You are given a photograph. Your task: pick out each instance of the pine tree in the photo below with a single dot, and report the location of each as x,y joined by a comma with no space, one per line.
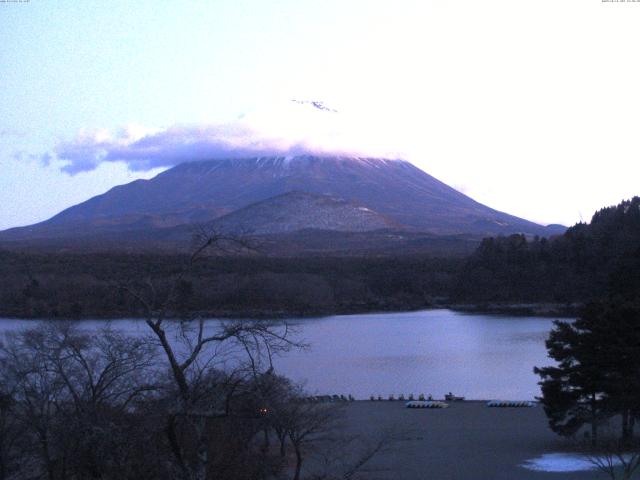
598,370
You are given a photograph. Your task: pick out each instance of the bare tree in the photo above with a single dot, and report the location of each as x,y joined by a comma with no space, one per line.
614,457
10,432
72,394
192,348
39,395
306,425
350,457
316,432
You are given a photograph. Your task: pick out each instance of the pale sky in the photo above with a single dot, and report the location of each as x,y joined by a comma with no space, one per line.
530,107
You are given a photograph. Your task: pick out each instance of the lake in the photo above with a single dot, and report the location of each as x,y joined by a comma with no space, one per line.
430,352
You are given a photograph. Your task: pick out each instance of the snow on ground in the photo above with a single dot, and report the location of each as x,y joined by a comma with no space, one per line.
559,462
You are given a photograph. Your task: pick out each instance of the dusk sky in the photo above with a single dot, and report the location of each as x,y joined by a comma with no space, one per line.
530,107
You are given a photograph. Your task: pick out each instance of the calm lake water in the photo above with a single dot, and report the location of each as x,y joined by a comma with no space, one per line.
430,352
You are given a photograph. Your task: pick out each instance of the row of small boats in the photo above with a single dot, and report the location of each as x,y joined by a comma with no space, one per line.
492,403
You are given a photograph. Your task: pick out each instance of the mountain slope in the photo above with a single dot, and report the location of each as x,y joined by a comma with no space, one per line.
296,211
198,192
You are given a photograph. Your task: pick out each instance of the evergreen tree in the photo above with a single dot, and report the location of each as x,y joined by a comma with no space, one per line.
572,393
598,370
615,329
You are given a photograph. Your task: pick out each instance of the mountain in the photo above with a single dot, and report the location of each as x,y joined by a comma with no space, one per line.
295,211
331,193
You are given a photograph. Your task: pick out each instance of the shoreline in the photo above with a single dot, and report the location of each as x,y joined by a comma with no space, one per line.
542,309
511,309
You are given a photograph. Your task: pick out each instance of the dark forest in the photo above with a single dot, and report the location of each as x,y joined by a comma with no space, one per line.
589,262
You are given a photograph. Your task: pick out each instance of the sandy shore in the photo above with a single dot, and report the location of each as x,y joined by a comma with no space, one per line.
467,441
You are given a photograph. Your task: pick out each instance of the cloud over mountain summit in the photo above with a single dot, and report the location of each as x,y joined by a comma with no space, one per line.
293,128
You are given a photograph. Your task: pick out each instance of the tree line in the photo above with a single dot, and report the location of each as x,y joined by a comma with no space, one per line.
589,262
84,285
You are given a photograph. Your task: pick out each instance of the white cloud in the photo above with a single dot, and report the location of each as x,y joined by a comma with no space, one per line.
284,128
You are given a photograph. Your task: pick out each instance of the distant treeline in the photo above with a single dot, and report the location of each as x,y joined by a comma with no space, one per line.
589,262
72,285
